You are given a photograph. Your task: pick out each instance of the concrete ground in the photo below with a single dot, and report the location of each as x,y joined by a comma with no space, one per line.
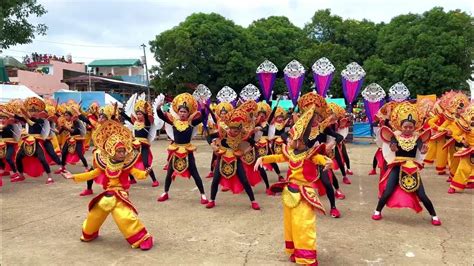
41,224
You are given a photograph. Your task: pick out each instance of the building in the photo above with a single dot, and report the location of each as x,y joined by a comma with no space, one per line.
45,76
128,70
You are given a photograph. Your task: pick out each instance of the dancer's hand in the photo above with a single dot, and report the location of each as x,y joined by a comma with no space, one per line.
424,149
67,175
327,165
393,147
258,164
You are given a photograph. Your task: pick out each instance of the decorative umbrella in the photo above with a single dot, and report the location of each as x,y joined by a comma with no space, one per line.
294,76
352,80
266,74
203,93
227,94
374,98
250,92
323,72
398,92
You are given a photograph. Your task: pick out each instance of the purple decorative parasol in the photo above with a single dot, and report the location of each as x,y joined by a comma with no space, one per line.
374,98
294,77
323,72
352,80
266,74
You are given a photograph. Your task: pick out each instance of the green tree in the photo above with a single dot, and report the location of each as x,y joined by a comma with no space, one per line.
323,26
278,40
339,56
207,49
430,53
14,27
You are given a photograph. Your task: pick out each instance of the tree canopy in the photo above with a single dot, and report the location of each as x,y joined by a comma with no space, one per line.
429,52
14,25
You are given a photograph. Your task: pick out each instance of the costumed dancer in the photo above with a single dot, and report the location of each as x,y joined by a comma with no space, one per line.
145,126
299,193
401,185
340,126
464,176
93,116
319,134
51,143
277,128
10,132
454,108
383,120
31,157
436,152
181,130
73,149
113,160
230,147
105,113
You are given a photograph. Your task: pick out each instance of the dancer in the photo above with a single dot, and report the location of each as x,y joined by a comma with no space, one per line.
105,113
229,147
299,197
73,149
31,157
181,161
10,132
401,185
340,126
145,131
464,175
114,160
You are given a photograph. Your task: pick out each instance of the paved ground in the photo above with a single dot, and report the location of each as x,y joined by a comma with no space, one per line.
41,224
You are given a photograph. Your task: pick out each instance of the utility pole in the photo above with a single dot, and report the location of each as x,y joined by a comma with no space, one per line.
146,72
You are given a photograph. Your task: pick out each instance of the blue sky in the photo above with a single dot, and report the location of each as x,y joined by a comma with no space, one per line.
91,29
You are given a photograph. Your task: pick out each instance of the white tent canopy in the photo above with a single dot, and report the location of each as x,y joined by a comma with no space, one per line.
11,92
109,99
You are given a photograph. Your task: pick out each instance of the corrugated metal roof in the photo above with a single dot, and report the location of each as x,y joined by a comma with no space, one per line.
115,62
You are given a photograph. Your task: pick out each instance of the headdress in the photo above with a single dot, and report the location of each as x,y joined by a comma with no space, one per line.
425,105
406,111
313,100
242,115
34,104
94,108
143,106
110,136
298,129
263,107
185,100
337,110
223,106
458,101
280,112
108,111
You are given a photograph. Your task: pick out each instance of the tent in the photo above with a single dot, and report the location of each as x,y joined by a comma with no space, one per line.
285,104
109,99
339,101
11,92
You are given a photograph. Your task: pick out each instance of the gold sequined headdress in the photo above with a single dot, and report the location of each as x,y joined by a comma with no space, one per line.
406,111
298,129
184,100
110,135
280,112
108,111
263,107
34,104
223,106
143,106
316,101
337,110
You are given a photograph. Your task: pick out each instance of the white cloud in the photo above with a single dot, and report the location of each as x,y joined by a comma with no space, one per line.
131,23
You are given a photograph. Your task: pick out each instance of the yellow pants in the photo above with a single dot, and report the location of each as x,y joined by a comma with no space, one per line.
300,232
453,161
125,218
464,174
438,154
55,142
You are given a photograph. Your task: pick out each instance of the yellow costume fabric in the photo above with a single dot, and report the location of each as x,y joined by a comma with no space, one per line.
113,201
436,153
299,216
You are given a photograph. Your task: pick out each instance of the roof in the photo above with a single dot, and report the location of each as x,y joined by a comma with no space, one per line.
115,63
10,92
85,78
